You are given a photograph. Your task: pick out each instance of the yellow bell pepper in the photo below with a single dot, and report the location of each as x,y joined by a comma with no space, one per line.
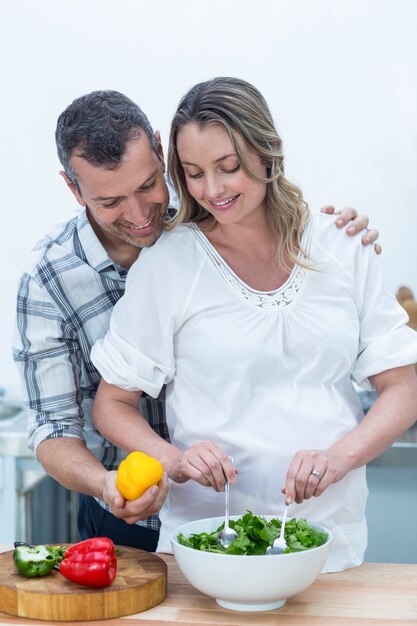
137,473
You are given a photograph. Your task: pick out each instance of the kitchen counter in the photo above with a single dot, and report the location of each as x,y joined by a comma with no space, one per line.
379,594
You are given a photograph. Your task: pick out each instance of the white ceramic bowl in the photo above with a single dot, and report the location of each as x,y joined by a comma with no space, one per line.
245,582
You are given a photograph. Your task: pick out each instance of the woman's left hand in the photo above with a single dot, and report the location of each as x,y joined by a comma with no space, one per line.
311,472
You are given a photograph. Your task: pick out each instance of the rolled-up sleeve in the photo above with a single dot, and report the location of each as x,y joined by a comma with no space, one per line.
137,353
122,364
385,340
47,357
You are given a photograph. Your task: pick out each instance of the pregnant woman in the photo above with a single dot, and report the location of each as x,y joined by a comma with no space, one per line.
262,319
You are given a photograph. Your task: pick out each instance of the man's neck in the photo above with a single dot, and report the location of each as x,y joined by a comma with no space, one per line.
121,252
123,257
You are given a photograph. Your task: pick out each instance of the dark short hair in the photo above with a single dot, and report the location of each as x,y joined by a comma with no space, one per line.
100,124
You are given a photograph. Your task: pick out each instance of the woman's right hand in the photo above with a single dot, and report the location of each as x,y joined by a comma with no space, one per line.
205,463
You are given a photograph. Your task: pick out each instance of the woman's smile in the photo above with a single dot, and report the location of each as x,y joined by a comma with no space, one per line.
221,205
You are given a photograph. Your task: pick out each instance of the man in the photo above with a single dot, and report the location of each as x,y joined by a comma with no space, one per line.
113,164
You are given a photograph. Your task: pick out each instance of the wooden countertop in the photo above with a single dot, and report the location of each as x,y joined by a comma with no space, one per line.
375,594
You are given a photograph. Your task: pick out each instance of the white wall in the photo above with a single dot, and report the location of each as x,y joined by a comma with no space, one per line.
340,78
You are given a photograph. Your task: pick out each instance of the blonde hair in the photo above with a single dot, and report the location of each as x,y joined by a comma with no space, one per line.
243,112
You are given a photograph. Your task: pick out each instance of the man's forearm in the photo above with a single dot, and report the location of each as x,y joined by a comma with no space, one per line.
70,462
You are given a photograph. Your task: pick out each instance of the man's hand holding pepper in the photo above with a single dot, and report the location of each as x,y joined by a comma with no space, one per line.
133,510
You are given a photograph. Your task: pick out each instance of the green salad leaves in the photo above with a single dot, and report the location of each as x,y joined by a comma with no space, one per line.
255,534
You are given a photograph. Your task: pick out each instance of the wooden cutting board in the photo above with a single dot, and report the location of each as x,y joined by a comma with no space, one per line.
140,584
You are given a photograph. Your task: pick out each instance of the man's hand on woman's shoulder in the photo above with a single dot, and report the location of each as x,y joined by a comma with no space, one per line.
355,224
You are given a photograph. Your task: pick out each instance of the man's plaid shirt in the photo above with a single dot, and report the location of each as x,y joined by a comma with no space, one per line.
65,299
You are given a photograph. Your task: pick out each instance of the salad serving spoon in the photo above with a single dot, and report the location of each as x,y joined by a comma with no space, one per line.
227,535
279,544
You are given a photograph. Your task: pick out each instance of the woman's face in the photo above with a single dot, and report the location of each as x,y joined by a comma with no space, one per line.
213,174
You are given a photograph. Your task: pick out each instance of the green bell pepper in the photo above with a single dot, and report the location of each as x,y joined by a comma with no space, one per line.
58,552
35,561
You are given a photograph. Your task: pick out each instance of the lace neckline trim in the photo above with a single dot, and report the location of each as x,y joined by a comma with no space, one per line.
276,299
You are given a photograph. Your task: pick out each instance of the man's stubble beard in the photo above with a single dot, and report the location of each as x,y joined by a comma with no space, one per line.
140,241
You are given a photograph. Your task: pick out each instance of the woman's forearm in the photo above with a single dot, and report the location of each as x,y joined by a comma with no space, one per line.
311,472
394,411
116,416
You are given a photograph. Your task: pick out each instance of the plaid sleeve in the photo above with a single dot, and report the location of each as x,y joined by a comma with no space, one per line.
46,353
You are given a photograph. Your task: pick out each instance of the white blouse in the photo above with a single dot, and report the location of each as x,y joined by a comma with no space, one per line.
261,374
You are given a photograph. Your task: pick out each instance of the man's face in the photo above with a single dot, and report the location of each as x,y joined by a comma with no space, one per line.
127,203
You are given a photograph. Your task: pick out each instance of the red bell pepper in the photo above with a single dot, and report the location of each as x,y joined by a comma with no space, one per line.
92,562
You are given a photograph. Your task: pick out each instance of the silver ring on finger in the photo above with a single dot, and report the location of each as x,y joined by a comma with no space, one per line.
316,473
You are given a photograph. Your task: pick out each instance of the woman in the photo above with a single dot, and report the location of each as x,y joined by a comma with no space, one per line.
263,319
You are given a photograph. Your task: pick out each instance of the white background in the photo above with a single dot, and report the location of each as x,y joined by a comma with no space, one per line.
340,78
